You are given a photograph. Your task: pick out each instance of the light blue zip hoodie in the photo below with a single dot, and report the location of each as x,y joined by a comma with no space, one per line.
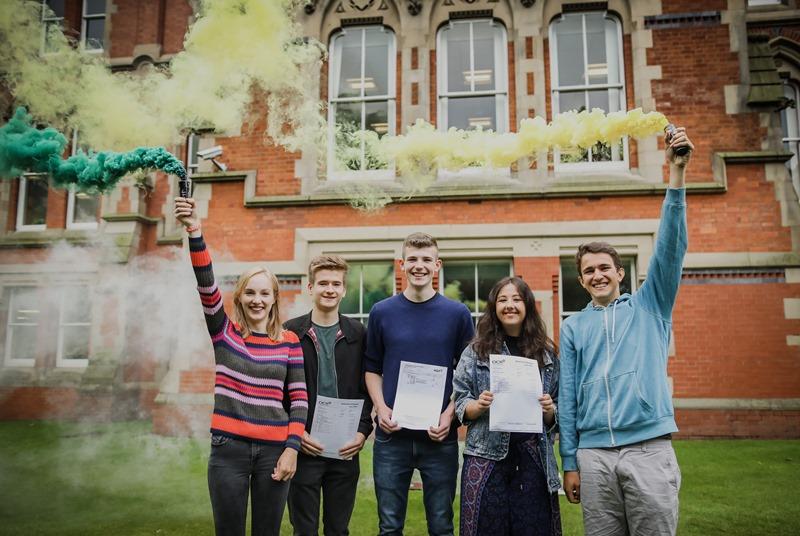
613,376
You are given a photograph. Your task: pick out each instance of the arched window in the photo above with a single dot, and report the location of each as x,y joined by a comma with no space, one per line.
586,72
790,123
361,96
472,77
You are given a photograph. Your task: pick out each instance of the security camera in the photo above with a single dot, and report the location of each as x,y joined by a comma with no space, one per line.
210,153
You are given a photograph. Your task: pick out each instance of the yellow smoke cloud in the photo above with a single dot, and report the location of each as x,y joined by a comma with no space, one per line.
233,47
423,149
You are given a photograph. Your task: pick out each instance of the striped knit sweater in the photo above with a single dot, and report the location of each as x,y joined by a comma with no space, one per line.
255,377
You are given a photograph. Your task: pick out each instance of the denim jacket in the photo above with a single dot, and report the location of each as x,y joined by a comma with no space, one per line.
469,380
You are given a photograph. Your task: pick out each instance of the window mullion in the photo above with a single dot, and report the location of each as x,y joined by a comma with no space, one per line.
471,60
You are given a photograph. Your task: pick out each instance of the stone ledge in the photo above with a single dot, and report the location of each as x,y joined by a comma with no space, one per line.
755,404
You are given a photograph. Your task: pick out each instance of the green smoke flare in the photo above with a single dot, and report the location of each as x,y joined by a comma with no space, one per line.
24,148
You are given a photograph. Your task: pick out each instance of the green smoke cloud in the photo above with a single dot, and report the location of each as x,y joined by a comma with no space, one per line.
24,148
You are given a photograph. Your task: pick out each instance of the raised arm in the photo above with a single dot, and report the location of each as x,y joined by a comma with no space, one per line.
660,289
210,296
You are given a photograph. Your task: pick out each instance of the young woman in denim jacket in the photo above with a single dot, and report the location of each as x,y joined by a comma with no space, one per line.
509,481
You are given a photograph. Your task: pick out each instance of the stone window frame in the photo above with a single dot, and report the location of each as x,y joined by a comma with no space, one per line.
790,130
590,167
364,174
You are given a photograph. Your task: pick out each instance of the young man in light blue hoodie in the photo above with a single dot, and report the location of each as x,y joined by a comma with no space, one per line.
615,410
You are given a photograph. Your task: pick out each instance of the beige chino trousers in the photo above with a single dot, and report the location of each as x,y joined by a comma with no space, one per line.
630,490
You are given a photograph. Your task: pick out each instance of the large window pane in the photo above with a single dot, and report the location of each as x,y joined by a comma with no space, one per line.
84,208
95,29
35,202
24,317
94,7
75,342
597,67
569,33
472,112
483,46
57,6
571,101
376,50
459,284
470,282
367,284
458,60
348,47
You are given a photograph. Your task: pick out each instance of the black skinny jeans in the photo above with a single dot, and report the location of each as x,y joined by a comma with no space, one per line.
235,469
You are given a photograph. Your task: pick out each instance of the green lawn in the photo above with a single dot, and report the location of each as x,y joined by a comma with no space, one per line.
118,479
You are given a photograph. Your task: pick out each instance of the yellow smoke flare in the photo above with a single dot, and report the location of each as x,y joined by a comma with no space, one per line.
422,150
232,47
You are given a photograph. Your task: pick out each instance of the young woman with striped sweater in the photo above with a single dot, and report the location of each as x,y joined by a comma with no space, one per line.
260,399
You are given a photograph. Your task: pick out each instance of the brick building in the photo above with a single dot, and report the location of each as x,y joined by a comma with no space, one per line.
86,282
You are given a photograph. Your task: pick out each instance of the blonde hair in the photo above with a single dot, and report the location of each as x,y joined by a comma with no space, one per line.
274,328
326,262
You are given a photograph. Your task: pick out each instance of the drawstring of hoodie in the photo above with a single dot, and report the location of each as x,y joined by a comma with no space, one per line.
613,319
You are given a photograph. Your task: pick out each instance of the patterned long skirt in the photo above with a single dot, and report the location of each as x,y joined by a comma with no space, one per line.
508,497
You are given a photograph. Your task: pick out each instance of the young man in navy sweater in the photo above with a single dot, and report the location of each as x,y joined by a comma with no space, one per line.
614,407
421,326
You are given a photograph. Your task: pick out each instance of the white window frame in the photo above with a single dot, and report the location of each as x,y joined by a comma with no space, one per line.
476,314
790,117
23,189
62,362
625,260
334,70
71,223
501,74
590,166
362,315
46,20
10,361
92,16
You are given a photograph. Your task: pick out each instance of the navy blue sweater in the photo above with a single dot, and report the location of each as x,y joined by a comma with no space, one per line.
434,332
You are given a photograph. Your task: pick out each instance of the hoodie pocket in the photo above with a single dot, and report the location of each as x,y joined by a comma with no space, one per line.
628,405
592,406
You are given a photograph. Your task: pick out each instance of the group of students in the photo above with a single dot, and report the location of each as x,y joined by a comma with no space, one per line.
605,393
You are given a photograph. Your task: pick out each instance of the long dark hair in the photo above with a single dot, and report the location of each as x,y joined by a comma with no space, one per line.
534,342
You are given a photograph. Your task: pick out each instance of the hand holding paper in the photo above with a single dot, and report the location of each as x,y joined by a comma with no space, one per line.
517,386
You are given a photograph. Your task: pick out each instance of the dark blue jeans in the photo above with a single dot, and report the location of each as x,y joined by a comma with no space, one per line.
393,462
238,469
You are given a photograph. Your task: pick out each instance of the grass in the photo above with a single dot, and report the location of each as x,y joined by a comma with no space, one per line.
118,479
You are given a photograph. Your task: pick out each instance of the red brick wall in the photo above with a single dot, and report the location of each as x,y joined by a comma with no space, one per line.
741,424
730,342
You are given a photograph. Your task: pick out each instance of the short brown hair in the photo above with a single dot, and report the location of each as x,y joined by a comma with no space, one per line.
597,247
419,241
326,262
